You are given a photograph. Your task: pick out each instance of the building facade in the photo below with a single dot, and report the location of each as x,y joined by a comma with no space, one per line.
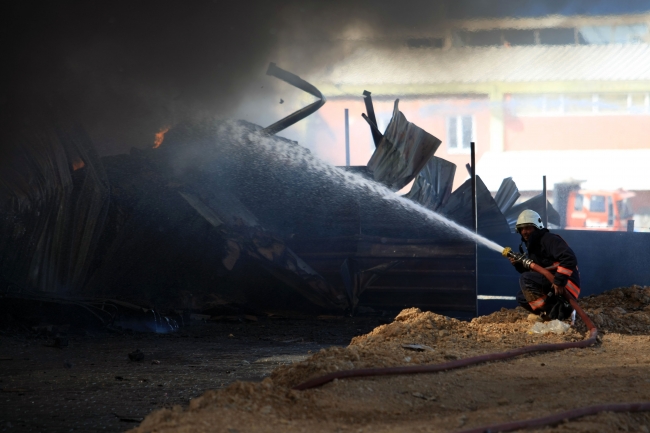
565,97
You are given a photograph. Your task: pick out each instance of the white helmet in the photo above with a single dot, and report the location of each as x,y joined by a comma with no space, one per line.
529,217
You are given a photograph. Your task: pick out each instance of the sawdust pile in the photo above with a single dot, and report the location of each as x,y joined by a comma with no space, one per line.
622,310
625,310
414,337
255,398
417,337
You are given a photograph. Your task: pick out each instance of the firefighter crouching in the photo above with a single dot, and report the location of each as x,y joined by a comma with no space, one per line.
537,294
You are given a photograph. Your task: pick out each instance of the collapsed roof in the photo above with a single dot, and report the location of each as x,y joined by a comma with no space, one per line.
227,212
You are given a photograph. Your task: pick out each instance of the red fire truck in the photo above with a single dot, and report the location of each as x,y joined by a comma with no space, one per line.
598,210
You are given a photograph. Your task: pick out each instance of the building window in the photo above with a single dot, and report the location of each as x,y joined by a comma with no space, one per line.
557,36
612,102
578,104
621,34
460,133
583,35
515,37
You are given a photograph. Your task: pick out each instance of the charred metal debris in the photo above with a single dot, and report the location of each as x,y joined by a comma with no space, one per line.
205,222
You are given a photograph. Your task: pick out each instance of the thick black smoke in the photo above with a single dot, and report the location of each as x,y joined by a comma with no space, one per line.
124,69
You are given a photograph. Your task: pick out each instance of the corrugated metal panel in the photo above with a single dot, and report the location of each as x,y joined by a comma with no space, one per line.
537,204
402,152
385,66
54,197
459,209
424,273
507,195
432,187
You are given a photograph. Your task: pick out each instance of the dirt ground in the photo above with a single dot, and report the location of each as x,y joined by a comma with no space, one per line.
236,377
614,371
92,386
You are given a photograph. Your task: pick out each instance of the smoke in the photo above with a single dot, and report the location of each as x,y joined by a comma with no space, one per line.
126,69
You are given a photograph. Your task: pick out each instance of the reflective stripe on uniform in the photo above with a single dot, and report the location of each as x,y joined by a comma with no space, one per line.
553,267
573,289
538,303
564,271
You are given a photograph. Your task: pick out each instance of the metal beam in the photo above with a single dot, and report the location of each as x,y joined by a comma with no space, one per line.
474,219
347,138
297,116
376,134
544,193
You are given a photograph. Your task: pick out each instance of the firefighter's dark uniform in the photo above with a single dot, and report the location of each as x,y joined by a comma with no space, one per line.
547,249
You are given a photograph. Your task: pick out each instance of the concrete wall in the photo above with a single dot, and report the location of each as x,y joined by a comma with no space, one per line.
587,132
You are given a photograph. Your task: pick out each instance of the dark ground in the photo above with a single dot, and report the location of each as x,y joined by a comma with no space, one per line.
91,385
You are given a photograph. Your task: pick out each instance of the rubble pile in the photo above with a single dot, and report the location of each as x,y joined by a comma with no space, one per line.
624,310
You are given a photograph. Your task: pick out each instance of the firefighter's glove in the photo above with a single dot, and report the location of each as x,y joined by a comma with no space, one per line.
561,310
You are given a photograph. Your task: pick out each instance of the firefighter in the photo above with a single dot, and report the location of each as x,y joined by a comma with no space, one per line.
537,294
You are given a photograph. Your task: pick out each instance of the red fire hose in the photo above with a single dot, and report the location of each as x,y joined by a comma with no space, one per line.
417,369
559,417
575,413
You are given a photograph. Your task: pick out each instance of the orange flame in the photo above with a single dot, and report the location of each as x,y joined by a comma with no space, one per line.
76,165
160,136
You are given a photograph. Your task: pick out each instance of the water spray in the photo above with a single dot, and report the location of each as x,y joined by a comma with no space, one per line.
303,158
356,182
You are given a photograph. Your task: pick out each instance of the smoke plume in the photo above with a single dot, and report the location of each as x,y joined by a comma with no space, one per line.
124,69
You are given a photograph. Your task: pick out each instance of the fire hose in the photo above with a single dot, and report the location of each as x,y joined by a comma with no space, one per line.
562,416
418,369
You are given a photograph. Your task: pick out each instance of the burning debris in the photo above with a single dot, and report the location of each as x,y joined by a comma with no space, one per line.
160,136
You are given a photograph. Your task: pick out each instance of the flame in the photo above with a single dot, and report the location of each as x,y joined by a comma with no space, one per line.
160,136
76,165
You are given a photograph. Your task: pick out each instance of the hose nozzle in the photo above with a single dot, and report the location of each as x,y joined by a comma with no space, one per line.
521,258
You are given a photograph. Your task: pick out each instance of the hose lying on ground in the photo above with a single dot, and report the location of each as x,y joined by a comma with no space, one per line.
417,369
559,417
510,426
